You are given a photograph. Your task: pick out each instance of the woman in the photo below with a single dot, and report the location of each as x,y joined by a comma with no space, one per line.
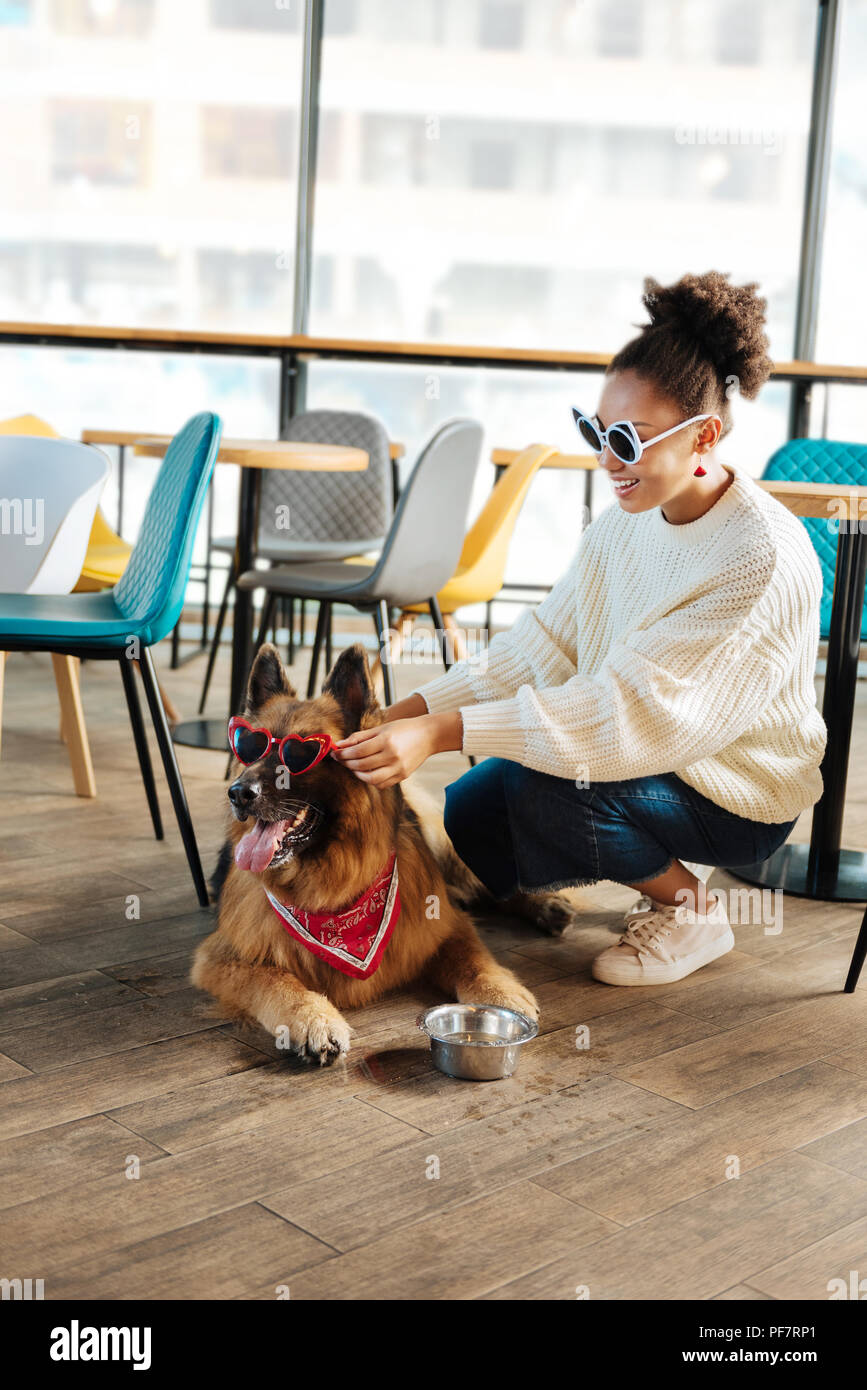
658,708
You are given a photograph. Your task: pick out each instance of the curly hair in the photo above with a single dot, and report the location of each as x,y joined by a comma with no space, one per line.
705,342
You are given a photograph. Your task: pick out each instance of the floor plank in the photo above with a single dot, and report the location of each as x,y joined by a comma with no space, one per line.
219,1257
107,1031
452,1168
700,1247
738,1058
33,1165
833,1267
112,1212
88,1088
460,1254
697,1150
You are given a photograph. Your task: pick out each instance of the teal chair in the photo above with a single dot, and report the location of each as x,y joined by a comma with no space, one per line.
123,623
822,461
826,461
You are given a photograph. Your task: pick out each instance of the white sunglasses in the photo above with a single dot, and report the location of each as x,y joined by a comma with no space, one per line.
621,437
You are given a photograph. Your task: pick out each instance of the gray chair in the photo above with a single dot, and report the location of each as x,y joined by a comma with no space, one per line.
331,515
420,553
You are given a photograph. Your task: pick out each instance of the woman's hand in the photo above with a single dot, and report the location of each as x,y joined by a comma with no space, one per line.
388,753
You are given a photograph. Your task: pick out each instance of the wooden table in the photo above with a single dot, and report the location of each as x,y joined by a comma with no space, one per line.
125,439
251,456
823,869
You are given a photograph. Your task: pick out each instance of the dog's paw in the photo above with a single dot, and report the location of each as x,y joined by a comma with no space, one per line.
504,992
548,912
321,1036
555,915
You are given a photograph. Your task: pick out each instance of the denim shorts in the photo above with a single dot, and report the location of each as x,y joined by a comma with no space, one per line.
523,830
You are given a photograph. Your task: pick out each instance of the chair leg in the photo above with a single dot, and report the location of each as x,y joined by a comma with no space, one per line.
209,567
319,638
859,955
439,627
74,727
404,628
440,624
458,641
173,774
170,708
267,618
329,640
290,617
61,728
218,632
141,744
380,618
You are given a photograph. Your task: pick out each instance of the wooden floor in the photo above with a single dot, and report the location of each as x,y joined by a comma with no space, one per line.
710,1142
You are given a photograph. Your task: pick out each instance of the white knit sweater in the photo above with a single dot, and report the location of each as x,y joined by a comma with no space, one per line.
688,649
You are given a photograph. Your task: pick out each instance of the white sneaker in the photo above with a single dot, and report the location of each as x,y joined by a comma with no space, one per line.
665,944
641,908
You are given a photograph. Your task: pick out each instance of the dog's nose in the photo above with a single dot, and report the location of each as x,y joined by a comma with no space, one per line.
242,795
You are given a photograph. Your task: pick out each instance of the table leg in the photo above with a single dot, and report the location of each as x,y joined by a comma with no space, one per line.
211,733
242,626
824,870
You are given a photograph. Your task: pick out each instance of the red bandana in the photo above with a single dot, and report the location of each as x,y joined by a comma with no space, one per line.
352,941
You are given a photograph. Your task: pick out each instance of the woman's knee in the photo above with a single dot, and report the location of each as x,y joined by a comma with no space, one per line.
479,793
535,796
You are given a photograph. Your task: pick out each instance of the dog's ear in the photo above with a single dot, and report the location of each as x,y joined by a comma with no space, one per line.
350,684
267,678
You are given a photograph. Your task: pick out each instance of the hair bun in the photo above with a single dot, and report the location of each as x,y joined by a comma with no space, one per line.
726,322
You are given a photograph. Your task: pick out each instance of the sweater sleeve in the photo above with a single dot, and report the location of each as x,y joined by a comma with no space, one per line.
667,695
538,650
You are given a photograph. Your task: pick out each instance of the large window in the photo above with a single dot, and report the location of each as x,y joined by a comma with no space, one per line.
843,290
501,24
149,159
100,143
272,16
131,17
559,152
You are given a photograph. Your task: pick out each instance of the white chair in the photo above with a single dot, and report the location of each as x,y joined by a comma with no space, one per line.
49,491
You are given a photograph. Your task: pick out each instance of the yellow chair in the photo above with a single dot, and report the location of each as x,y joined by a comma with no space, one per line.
106,559
482,566
28,424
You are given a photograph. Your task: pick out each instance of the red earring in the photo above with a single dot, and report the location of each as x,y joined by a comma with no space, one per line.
700,472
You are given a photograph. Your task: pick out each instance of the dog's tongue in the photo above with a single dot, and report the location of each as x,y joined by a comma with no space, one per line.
259,845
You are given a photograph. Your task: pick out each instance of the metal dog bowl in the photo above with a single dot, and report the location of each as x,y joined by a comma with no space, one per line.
477,1041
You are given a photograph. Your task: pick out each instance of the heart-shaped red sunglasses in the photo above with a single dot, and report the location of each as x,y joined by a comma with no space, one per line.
297,752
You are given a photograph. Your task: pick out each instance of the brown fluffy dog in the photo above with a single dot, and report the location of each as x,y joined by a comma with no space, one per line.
341,832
